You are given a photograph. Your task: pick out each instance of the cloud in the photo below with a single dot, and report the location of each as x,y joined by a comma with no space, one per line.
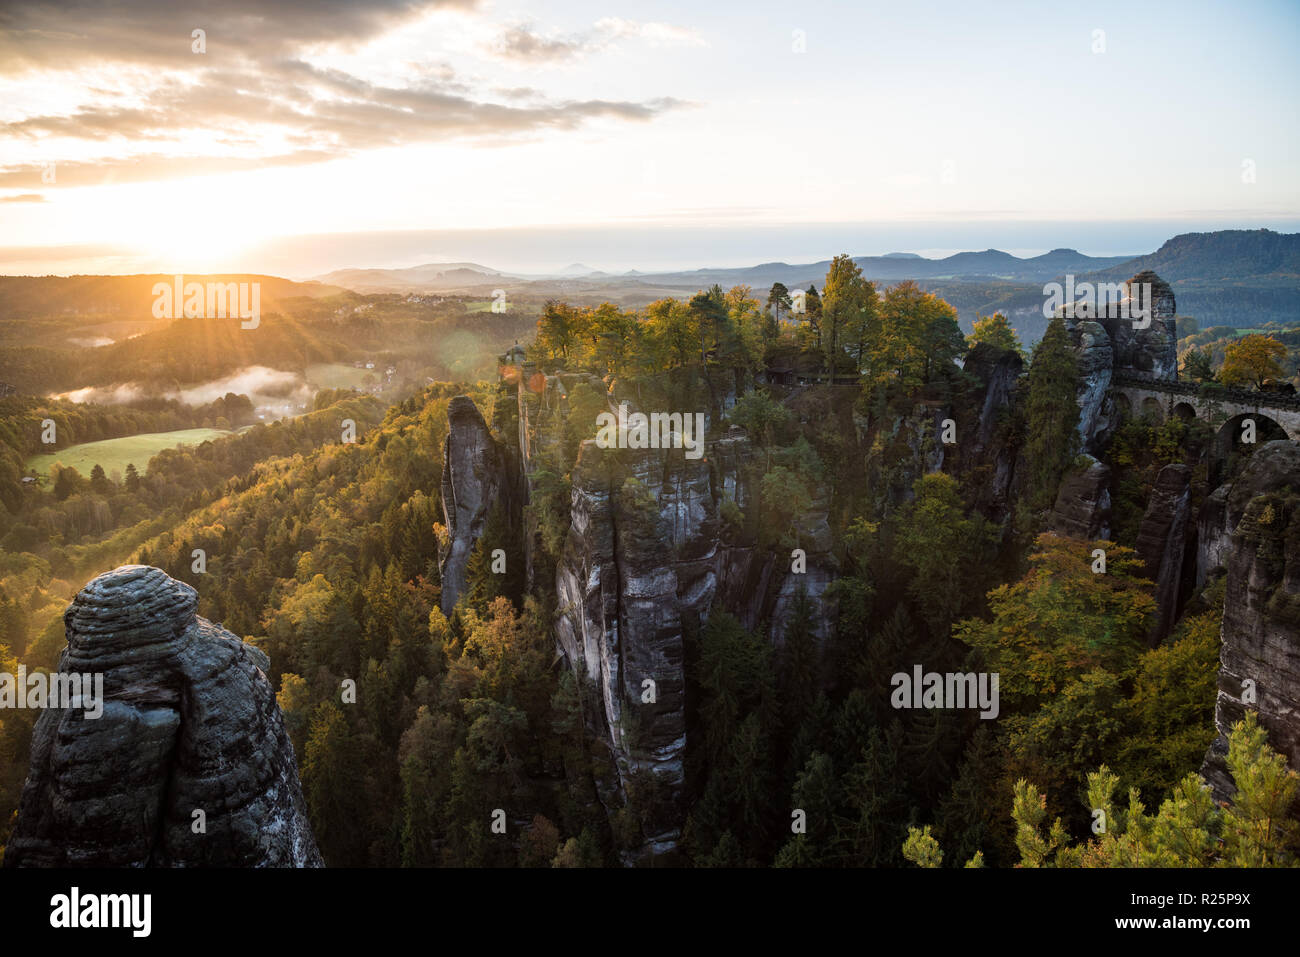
24,198
657,34
523,44
332,128
256,99
75,33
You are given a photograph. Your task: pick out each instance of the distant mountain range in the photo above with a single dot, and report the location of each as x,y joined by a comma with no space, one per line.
429,277
1229,255
990,264
1233,277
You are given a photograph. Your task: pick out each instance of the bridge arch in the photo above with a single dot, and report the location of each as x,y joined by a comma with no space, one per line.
1123,407
1233,442
1185,411
1151,409
1138,395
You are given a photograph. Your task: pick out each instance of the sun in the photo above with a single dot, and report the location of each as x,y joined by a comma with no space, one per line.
203,248
196,226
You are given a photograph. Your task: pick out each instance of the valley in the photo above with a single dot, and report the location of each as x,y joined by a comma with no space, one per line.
650,577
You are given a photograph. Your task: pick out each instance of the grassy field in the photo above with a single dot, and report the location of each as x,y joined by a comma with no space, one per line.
117,454
339,375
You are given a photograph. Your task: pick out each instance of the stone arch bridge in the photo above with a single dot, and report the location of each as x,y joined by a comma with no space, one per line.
1218,405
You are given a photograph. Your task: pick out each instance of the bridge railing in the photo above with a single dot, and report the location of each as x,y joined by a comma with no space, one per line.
1211,392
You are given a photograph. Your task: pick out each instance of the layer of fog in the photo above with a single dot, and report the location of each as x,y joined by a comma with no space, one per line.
274,392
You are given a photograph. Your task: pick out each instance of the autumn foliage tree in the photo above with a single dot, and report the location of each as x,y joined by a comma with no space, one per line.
1252,361
1062,619
849,306
995,330
917,335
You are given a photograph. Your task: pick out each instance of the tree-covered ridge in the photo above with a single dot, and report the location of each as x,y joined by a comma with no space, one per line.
419,733
442,337
1080,684
57,537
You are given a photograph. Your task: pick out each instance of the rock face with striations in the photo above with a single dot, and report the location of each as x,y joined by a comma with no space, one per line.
1162,543
991,463
1260,649
473,476
1083,506
1095,358
649,555
1135,334
1149,348
652,550
189,723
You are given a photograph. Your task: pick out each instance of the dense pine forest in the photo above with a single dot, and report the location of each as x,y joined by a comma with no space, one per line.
413,725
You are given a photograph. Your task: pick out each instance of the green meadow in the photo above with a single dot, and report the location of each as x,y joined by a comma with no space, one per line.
116,454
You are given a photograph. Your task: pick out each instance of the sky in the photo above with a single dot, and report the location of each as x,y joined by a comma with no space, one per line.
299,137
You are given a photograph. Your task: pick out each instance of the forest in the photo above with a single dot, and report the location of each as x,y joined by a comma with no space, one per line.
326,555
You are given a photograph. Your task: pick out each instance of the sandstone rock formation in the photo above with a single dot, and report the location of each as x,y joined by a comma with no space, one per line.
651,552
1161,543
1149,349
1134,334
1260,652
998,370
1082,508
649,555
190,724
990,461
1225,506
1095,358
473,477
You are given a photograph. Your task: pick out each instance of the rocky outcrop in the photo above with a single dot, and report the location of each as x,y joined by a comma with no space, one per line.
620,620
998,370
1161,543
1260,650
656,545
1225,506
189,763
1124,329
473,479
1095,359
1147,348
990,463
1082,508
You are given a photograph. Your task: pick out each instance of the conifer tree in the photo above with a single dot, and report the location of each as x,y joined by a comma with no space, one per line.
970,817
873,830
